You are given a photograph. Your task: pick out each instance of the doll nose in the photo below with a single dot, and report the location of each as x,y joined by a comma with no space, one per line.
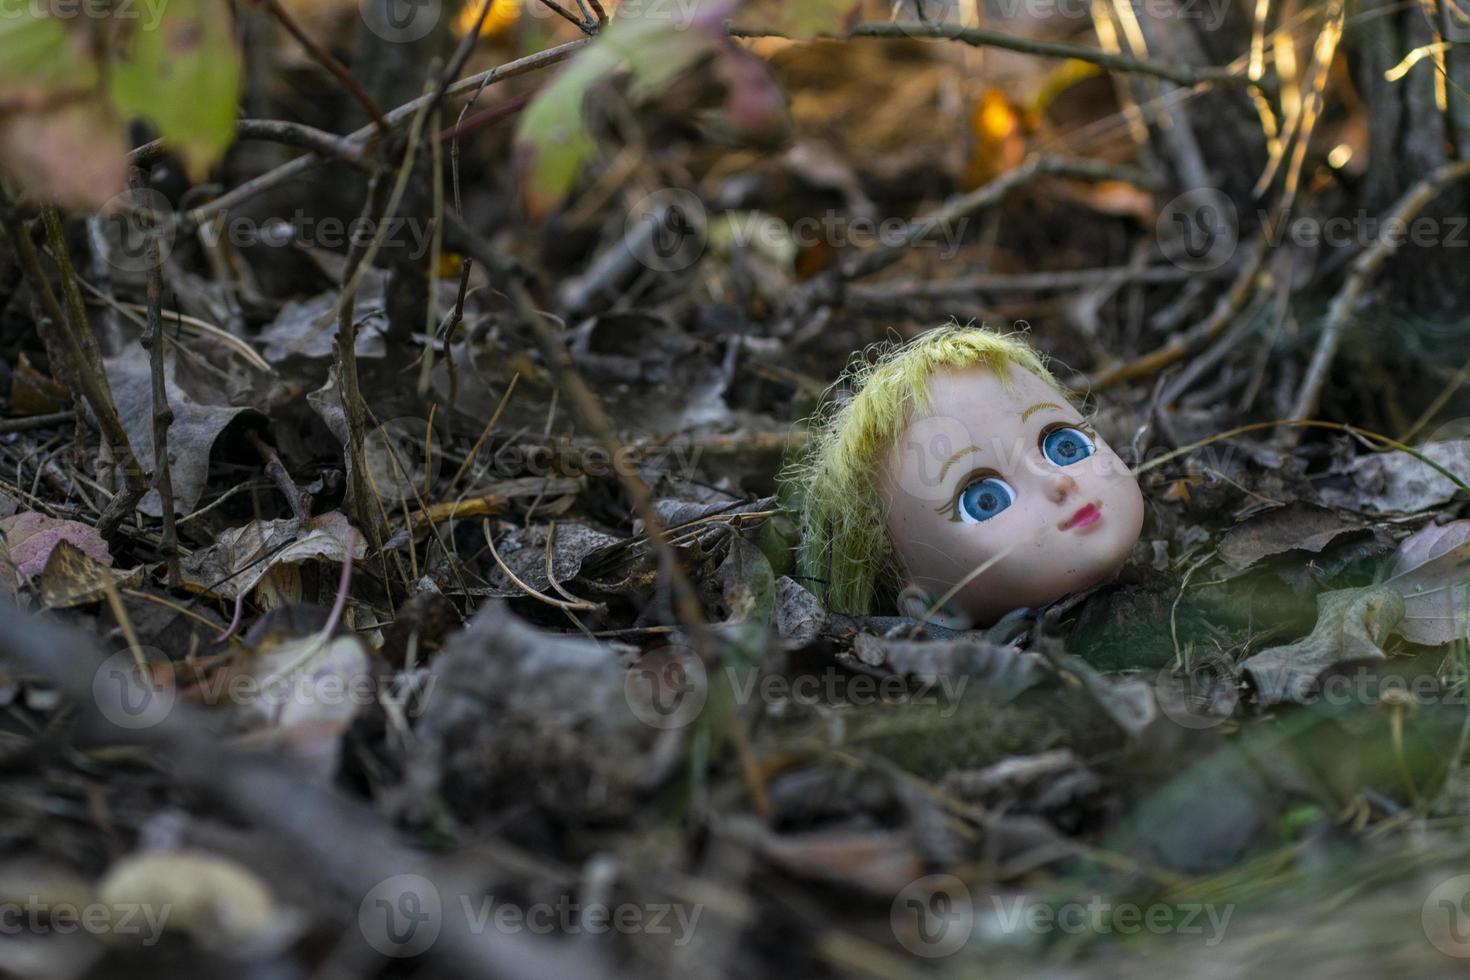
1060,486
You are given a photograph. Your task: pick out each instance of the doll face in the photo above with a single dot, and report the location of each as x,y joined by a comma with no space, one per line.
1013,477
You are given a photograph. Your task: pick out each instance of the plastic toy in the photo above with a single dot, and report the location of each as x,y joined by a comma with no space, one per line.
953,477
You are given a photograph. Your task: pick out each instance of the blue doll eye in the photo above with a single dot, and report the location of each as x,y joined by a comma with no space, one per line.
1066,446
983,499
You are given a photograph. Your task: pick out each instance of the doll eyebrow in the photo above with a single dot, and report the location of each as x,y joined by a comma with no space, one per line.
950,462
1038,407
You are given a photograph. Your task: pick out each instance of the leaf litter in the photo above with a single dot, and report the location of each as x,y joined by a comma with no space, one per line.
537,693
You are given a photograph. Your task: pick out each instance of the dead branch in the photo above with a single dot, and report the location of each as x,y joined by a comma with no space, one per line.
1364,269
163,414
984,37
85,369
395,118
328,61
828,289
360,853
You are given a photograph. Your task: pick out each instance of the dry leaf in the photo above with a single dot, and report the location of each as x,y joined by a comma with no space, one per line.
201,413
1295,527
74,578
1352,624
30,537
1430,570
242,556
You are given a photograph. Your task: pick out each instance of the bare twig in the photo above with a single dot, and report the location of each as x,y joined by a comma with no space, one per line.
1363,271
460,57
297,498
397,117
1187,341
436,258
353,410
163,413
359,261
85,367
828,289
29,422
328,61
589,410
1059,280
483,118
984,37
273,131
569,17
361,854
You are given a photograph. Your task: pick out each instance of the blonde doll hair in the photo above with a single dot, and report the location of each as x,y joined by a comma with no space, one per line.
845,556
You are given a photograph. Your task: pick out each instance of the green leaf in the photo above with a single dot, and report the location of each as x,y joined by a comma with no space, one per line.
37,55
655,41
552,142
183,75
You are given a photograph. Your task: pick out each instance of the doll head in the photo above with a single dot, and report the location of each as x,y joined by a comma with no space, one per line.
959,470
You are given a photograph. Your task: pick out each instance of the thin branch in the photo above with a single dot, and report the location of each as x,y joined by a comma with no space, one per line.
461,56
397,117
163,413
588,408
1028,282
483,118
1180,344
1364,269
358,263
29,422
569,17
305,137
984,37
362,853
85,362
828,289
328,61
297,498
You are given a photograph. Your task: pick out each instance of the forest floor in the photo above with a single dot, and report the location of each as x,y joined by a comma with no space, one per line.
504,667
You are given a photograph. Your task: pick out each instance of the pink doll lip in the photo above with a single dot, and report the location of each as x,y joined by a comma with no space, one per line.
1085,517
